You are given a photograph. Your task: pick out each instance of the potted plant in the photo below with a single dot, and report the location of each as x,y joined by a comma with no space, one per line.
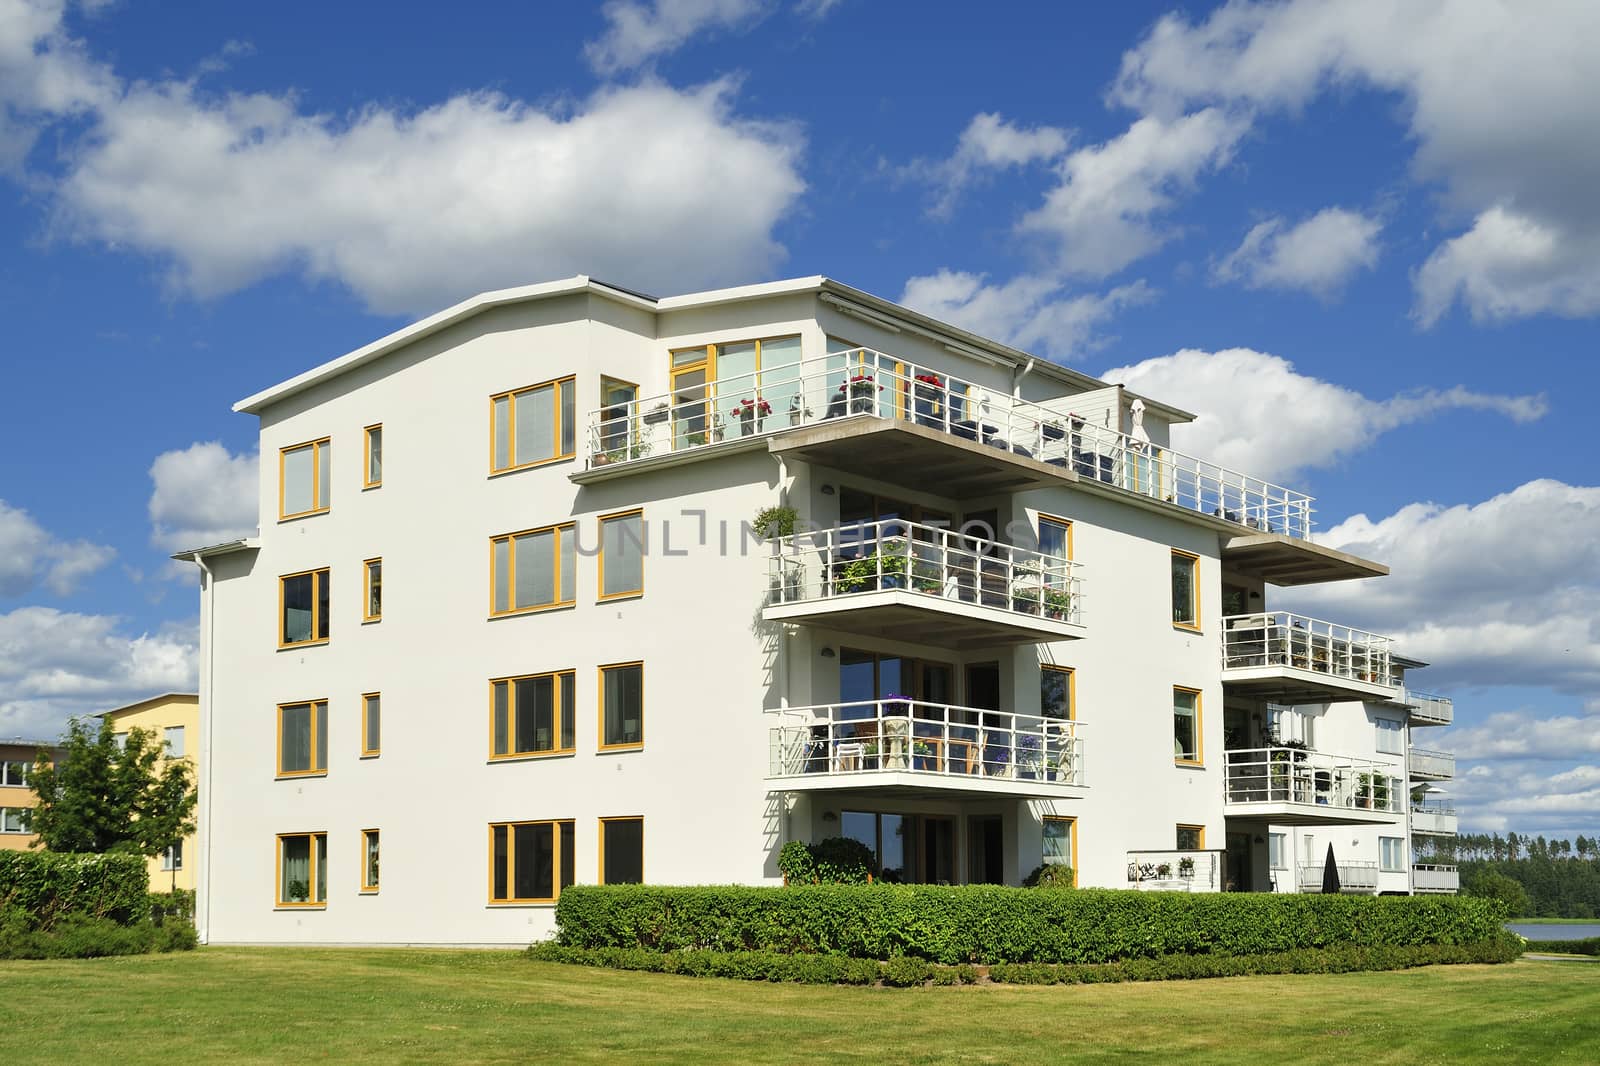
656,415
694,440
922,755
771,522
862,389
1380,792
896,705
1057,603
1028,761
798,412
928,392
1052,429
1186,867
1163,870
751,414
1364,790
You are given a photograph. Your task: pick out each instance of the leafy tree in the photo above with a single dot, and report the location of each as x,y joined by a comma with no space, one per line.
100,796
1491,885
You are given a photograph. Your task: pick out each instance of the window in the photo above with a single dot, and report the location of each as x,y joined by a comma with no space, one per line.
1191,838
531,715
1234,599
371,725
302,869
735,390
303,600
622,555
369,860
1391,736
618,401
302,738
529,862
1185,590
1185,725
532,426
172,858
373,611
14,773
1055,537
533,569
1057,687
1392,854
174,739
1278,851
373,477
11,820
621,851
303,479
1060,841
622,705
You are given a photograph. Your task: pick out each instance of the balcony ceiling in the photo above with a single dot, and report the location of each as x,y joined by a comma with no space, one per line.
897,614
912,785
1291,685
1283,812
1282,560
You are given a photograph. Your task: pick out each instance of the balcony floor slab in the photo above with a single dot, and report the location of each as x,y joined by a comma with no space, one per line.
1295,684
899,614
1283,560
1283,812
908,784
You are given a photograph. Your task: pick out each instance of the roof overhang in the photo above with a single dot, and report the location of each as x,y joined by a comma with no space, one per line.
1283,560
228,547
140,705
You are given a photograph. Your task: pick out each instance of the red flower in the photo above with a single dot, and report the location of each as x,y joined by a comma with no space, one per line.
930,379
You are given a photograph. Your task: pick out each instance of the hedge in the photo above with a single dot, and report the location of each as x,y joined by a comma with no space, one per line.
50,886
905,972
992,924
1566,947
80,937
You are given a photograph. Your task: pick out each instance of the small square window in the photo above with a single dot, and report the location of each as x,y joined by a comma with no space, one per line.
1191,838
303,608
303,478
302,869
302,738
173,736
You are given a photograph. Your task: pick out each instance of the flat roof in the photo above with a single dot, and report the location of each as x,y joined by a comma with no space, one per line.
19,742
842,295
139,705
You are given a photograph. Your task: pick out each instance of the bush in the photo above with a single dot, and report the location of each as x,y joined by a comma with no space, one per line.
1565,947
175,907
81,937
50,887
837,860
1051,875
993,924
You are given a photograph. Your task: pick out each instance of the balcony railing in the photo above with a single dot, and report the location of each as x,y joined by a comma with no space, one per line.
926,561
1277,638
1434,877
1426,707
1436,821
1176,871
1424,763
865,382
1353,876
933,740
1311,779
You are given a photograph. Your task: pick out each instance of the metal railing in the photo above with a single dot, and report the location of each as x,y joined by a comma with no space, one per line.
895,735
1353,876
862,381
926,561
1278,638
1176,870
1428,707
1310,778
1436,821
1435,877
1431,763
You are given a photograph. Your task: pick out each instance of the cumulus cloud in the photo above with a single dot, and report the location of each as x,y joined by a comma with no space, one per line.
988,143
44,73
411,208
1524,796
1256,412
1500,107
1319,255
31,557
55,664
202,495
1029,311
637,31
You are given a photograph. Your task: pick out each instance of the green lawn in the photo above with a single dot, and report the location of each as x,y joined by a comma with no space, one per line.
280,1004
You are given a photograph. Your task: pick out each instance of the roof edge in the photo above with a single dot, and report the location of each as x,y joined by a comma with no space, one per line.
227,547
146,702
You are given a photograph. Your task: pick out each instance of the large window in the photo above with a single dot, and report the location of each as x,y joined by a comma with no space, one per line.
1391,736
1061,841
1185,590
1186,725
622,555
302,869
371,724
722,391
303,479
1278,851
622,705
372,477
1056,691
533,570
14,773
1392,854
621,851
369,860
12,820
531,715
303,613
372,611
529,862
1191,838
302,738
533,425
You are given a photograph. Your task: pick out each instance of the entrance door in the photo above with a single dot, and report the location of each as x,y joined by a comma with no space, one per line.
1239,865
985,850
938,850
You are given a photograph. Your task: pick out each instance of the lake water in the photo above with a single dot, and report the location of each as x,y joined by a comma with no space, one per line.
1555,932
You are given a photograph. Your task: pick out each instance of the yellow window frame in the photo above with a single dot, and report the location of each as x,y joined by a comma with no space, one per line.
1200,835
605,824
600,730
319,723
1193,624
324,575
1072,839
316,447
369,701
370,850
556,425
368,566
559,826
312,866
1199,731
367,432
568,528
628,594
1072,689
564,680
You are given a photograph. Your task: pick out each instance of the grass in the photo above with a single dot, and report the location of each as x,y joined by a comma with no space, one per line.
278,1004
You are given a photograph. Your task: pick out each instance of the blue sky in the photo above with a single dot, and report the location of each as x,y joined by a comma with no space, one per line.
1361,241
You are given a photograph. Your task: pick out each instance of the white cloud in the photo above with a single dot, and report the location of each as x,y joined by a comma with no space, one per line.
43,72
1101,215
202,495
30,556
411,209
1029,311
988,143
1319,255
639,31
1521,734
1522,795
1499,103
54,664
1255,412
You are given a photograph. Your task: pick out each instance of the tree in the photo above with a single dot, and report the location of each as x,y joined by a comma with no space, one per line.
100,796
1492,885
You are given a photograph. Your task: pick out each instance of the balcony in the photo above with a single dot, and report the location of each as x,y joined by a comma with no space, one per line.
1428,709
910,747
1434,821
1424,765
1353,876
1176,871
1290,659
1295,786
1432,877
919,583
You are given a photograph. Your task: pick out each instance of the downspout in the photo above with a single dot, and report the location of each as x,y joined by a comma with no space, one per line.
1018,372
208,656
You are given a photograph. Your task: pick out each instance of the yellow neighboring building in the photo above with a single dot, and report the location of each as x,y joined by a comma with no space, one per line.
16,763
174,718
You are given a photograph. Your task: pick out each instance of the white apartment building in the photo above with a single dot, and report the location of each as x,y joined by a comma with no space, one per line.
505,625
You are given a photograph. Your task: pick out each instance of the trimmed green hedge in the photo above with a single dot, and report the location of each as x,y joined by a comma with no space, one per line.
78,937
49,886
907,972
1566,947
992,924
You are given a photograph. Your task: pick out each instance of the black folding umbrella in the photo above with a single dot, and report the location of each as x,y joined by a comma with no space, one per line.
1330,874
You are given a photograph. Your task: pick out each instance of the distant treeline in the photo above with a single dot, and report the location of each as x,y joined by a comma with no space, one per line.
1560,877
